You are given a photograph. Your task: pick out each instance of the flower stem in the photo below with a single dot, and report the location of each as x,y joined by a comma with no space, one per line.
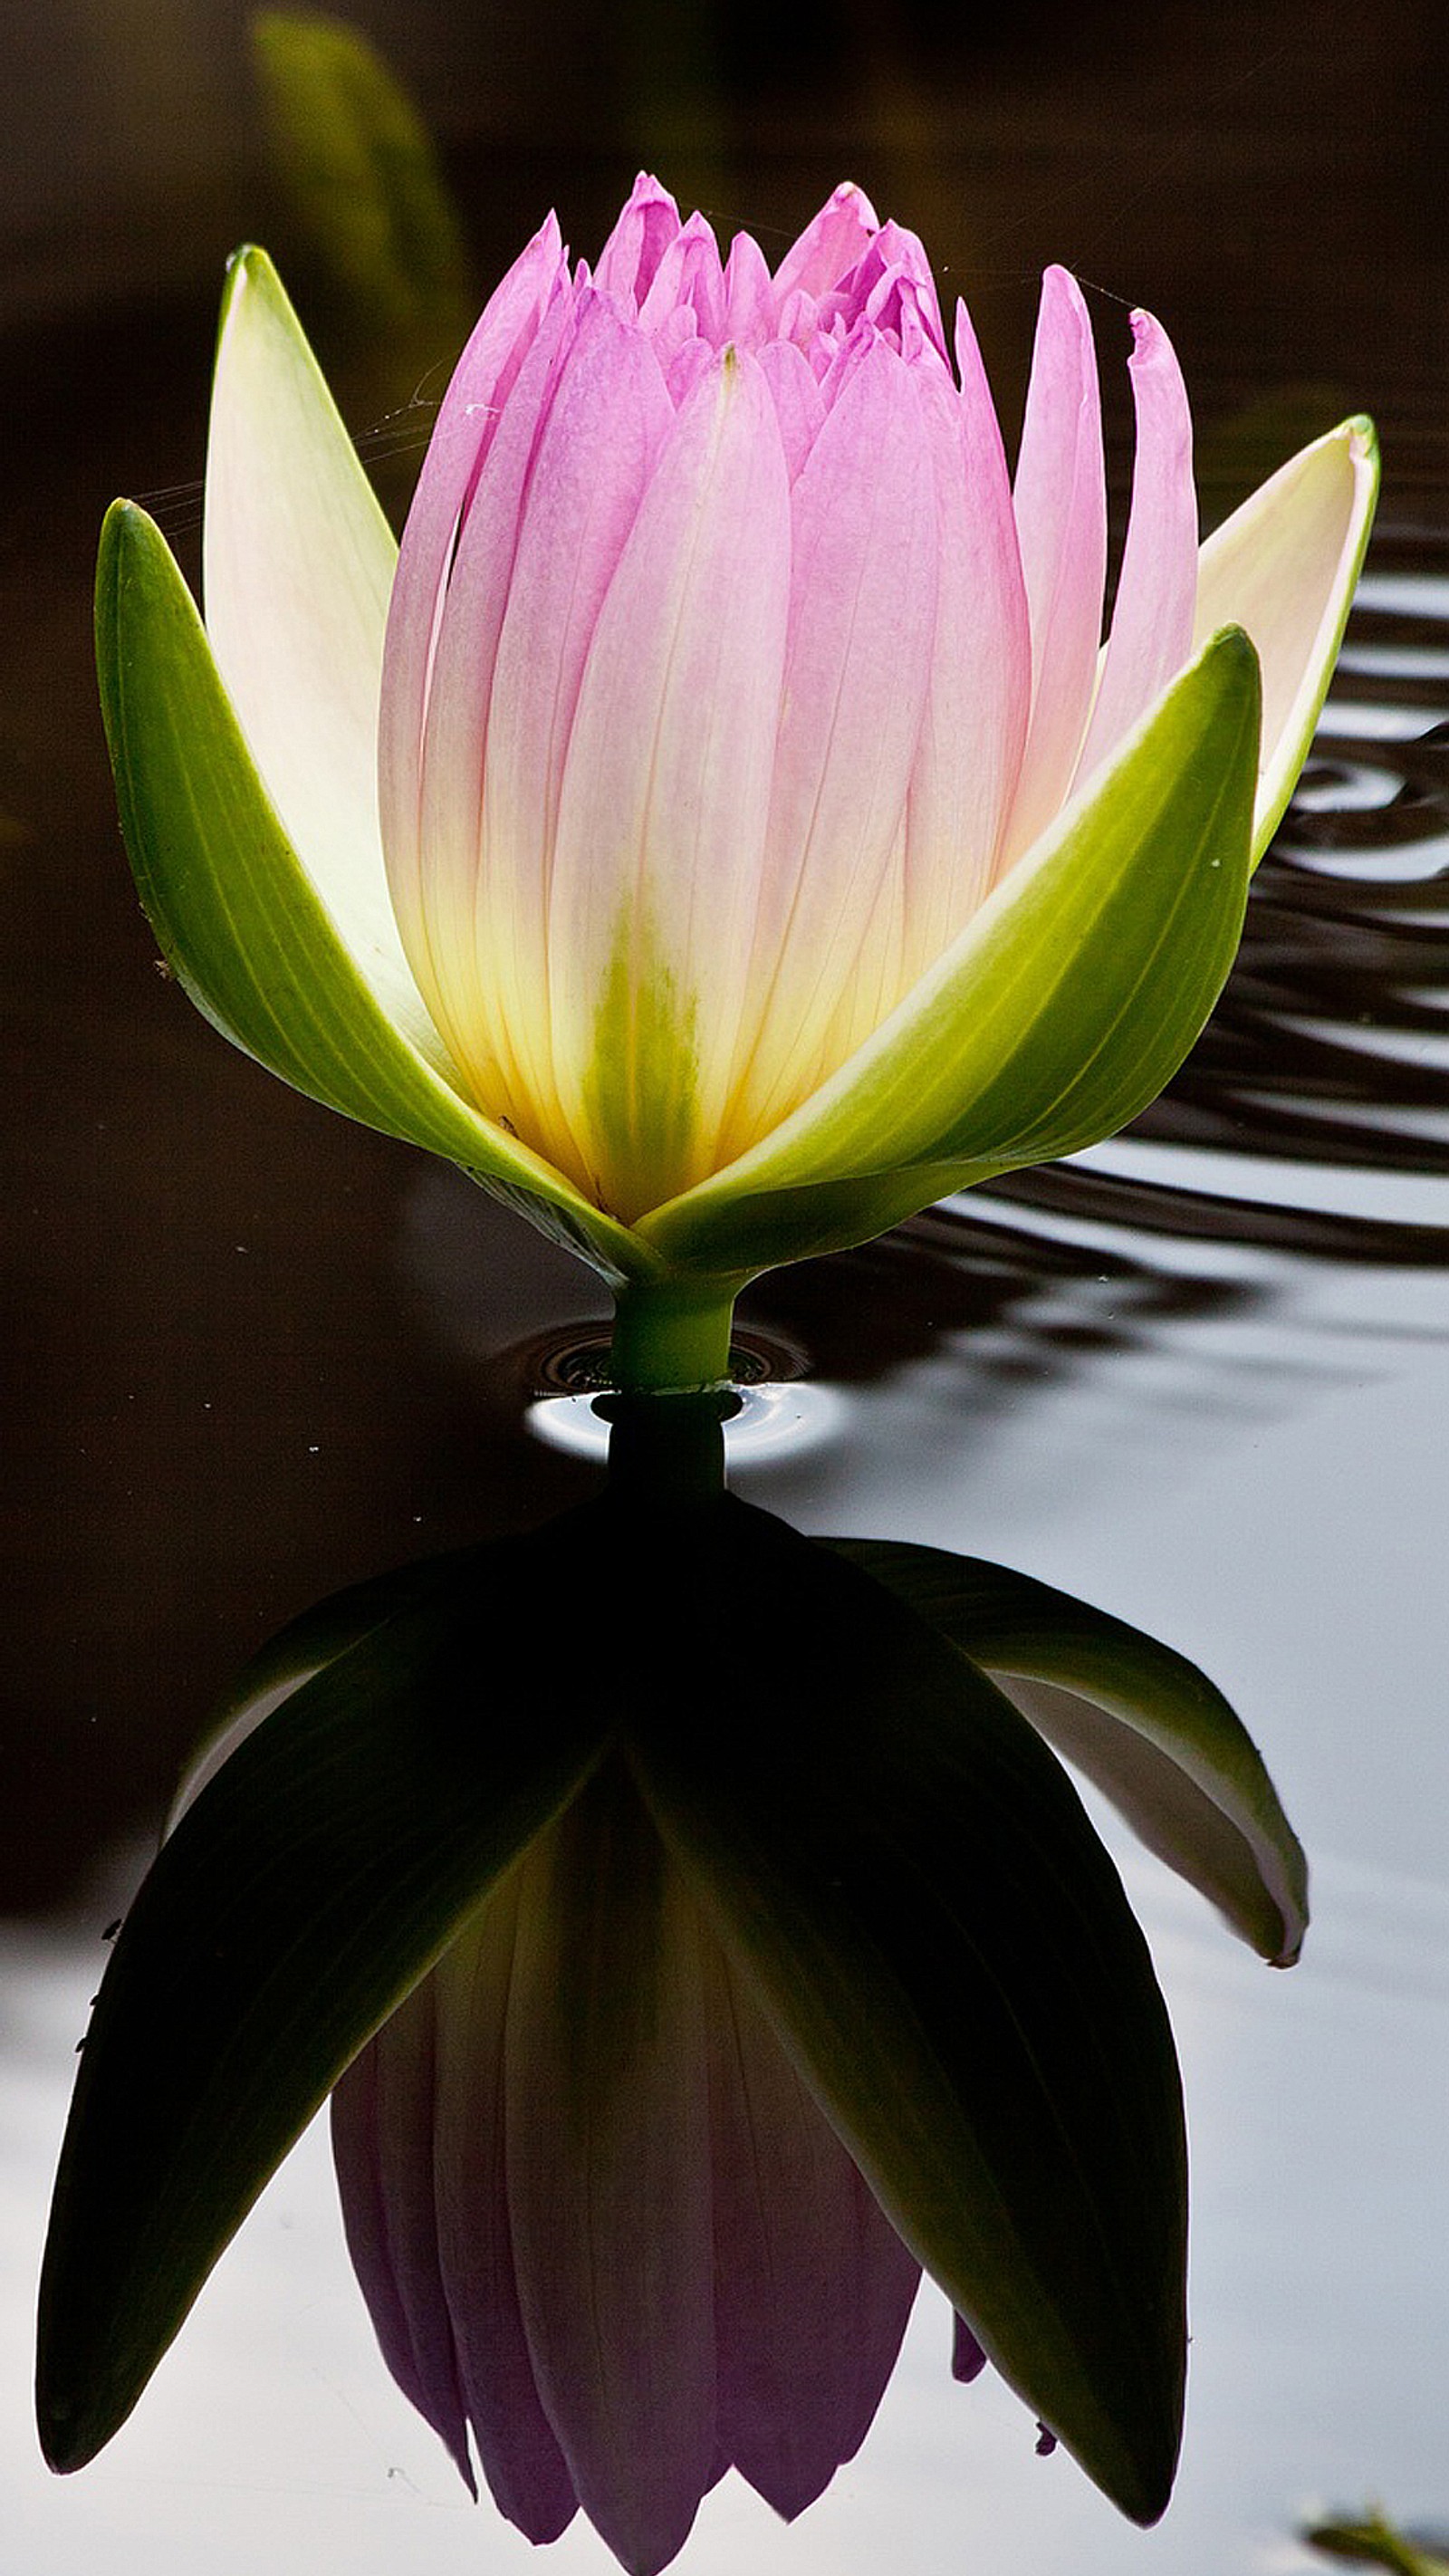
667,1452
670,1394
671,1336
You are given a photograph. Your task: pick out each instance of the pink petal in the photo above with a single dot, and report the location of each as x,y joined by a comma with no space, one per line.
980,688
891,285
442,939
609,2172
749,292
462,434
666,790
863,613
1061,518
813,2285
593,464
799,405
634,249
691,362
521,2459
1157,592
829,246
689,273
382,2144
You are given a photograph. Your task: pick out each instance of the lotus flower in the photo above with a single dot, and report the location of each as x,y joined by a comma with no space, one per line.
722,828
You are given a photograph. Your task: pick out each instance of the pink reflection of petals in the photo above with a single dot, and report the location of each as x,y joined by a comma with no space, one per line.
382,2142
607,2126
812,2285
598,2217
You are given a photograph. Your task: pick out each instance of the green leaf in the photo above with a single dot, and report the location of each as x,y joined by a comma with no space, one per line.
1057,1015
364,177
1375,2543
946,1951
1144,1725
241,921
314,1881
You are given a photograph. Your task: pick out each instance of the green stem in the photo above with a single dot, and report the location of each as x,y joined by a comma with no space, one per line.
671,1336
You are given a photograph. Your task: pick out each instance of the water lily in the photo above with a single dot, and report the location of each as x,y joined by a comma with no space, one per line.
722,828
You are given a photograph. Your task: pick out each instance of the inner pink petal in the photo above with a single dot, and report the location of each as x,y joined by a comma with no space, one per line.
1157,592
463,433
863,612
626,264
1061,518
441,939
749,293
829,246
689,273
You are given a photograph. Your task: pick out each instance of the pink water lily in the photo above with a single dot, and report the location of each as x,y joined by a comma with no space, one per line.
722,829
724,682
601,2223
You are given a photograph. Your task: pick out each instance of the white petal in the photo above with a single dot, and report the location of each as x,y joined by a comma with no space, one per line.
1284,567
298,570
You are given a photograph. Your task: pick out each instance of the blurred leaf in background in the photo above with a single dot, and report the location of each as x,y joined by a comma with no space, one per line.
376,219
1373,2542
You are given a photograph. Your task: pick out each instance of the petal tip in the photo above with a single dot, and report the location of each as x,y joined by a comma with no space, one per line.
1149,339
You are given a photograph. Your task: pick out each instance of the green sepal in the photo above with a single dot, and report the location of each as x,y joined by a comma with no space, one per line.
1059,1013
947,1954
1144,1725
238,917
314,1881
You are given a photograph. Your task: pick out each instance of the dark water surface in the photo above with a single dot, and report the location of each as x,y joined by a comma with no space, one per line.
1201,1375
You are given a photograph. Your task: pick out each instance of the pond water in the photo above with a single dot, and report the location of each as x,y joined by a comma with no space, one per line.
1200,1376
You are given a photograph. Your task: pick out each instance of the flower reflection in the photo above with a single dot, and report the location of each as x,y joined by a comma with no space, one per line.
600,2220
682,1986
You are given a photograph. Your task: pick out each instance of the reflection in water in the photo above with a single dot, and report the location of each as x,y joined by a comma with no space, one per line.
599,2218
759,1941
